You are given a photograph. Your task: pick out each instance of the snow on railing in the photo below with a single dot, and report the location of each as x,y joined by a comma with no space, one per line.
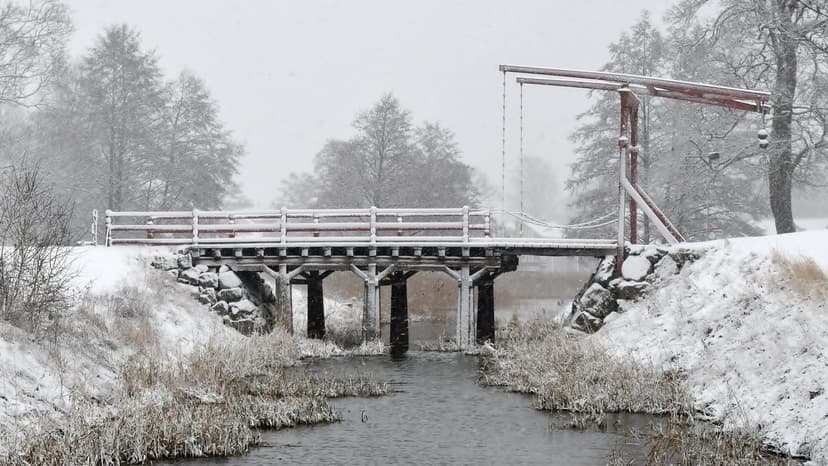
287,226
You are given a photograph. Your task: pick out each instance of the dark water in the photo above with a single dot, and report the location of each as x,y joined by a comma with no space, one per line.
437,415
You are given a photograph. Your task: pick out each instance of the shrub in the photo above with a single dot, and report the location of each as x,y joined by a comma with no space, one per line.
34,261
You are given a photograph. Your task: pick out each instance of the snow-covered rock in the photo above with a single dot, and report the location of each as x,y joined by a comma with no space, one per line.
231,294
189,276
221,308
185,261
598,301
605,271
208,280
229,279
636,268
243,308
165,262
628,289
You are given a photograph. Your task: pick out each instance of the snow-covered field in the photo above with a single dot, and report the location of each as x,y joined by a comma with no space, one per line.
748,322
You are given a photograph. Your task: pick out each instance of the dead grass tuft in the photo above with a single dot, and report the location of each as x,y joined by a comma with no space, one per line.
679,443
568,372
803,274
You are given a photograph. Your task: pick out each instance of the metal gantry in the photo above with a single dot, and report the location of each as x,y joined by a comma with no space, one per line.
629,86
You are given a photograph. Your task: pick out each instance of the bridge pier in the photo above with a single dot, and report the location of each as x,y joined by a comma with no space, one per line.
485,311
371,306
399,312
284,300
465,318
316,304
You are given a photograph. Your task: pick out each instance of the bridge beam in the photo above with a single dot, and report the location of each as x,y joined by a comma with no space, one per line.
316,304
399,313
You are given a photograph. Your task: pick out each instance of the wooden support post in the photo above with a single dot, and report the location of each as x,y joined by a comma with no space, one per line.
371,304
284,300
316,305
399,313
485,311
464,298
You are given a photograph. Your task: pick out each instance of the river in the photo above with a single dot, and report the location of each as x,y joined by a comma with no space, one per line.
437,414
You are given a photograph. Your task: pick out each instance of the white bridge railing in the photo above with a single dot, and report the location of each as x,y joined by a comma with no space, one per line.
291,227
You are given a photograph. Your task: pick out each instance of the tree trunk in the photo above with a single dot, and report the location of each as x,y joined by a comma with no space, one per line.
781,164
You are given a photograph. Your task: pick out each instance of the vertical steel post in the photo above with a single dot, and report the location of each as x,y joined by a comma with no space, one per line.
622,173
633,151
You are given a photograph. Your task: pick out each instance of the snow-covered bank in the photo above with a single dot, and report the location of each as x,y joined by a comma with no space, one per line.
81,360
748,323
138,354
122,306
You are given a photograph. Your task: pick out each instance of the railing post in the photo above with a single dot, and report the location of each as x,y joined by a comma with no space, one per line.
465,224
149,232
399,221
315,222
195,227
108,239
283,226
373,225
232,221
95,227
487,224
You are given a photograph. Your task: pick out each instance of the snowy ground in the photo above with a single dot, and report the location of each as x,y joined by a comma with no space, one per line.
750,331
43,374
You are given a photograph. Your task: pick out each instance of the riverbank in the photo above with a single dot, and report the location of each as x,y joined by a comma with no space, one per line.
739,335
139,370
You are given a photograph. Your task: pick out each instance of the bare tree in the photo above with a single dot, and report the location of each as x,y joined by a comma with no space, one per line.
781,45
32,39
34,259
388,163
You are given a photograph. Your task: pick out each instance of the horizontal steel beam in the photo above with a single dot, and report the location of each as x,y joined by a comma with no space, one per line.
709,99
667,84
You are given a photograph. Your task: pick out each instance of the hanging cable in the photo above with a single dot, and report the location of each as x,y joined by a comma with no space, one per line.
521,157
594,223
503,149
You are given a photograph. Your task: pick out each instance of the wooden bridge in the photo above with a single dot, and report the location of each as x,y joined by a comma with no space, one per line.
383,247
387,246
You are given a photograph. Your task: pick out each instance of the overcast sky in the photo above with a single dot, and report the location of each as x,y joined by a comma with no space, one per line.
289,75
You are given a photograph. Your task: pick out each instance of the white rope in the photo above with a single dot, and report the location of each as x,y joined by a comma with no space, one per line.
521,156
575,226
503,148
